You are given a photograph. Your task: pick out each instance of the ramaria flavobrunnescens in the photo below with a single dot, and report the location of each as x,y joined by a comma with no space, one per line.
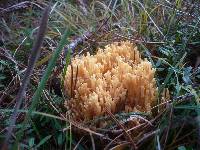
116,78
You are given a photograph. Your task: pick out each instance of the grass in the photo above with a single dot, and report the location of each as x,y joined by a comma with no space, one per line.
166,32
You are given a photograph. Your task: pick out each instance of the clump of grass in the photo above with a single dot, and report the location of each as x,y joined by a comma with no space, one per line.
166,32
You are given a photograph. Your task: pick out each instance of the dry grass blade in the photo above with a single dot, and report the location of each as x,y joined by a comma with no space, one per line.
5,54
72,122
169,126
147,135
92,140
121,146
86,129
150,17
76,147
123,128
181,138
134,128
32,60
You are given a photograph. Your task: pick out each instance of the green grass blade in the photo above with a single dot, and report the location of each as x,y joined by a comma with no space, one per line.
43,82
44,140
48,71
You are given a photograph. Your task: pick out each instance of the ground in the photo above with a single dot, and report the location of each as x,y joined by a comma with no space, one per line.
166,33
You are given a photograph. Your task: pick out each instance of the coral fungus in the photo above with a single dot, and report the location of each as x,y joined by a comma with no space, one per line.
116,78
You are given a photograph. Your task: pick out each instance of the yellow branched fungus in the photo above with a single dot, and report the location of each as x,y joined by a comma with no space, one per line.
116,78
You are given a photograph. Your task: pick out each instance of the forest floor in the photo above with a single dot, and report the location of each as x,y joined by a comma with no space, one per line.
32,112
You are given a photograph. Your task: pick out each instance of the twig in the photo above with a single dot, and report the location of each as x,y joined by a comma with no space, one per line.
33,58
77,41
81,39
141,118
123,128
178,99
21,5
113,131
